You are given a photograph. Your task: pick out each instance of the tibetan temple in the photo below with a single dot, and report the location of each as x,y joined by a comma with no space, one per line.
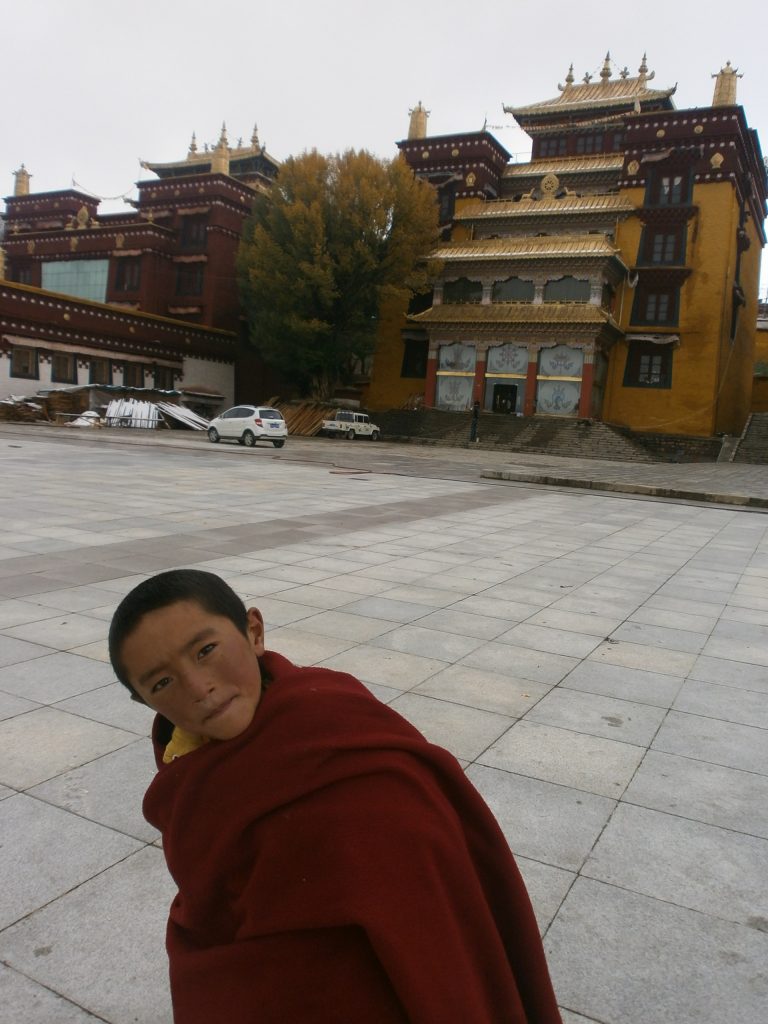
145,299
613,276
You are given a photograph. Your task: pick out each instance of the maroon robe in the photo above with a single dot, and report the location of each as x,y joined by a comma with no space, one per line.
335,868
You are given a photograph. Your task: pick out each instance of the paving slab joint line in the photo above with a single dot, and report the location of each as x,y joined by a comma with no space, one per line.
625,488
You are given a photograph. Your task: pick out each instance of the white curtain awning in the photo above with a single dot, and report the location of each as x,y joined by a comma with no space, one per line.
656,339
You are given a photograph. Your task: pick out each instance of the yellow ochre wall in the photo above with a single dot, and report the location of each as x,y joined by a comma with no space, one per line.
387,389
711,379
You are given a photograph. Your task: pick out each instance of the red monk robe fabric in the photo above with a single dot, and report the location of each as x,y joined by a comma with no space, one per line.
335,868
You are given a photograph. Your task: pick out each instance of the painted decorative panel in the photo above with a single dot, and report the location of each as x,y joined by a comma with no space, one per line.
558,397
457,357
561,361
454,393
507,359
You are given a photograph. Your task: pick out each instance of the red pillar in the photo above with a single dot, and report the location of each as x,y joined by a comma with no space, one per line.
430,384
478,387
587,379
530,385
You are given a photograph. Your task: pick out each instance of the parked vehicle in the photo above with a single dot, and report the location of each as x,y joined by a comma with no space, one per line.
248,424
349,424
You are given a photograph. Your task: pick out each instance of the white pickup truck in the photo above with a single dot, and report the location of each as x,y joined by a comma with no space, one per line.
350,424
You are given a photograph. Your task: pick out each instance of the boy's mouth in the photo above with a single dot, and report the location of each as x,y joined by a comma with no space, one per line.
219,710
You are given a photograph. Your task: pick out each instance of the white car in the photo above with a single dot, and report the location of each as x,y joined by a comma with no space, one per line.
248,424
350,424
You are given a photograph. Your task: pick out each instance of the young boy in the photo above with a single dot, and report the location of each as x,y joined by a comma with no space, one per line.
333,867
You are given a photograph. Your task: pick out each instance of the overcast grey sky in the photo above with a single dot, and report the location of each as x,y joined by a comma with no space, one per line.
90,87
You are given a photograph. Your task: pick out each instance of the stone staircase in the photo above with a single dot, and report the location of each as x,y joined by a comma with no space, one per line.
585,439
753,446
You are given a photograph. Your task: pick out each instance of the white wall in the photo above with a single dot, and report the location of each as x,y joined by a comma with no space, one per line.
206,373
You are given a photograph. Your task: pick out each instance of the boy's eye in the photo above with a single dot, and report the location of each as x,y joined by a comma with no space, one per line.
205,650
160,684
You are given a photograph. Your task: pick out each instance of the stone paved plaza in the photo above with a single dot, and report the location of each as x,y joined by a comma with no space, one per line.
598,663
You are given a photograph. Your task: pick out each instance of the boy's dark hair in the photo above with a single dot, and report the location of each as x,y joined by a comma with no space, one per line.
204,588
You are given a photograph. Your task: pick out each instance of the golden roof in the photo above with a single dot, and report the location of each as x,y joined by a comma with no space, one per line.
604,92
528,247
568,204
514,313
567,165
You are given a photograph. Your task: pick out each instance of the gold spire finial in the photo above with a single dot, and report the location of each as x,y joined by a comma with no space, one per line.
725,86
255,137
569,80
220,155
643,69
223,141
417,129
22,177
605,72
193,145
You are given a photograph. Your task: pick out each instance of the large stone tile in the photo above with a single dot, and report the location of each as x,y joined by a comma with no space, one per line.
496,608
553,824
43,743
51,852
316,596
14,651
731,705
111,705
623,958
72,599
520,662
109,790
54,677
625,683
465,731
305,648
650,659
489,691
11,706
547,638
428,643
63,632
568,758
25,1000
738,674
597,715
546,887
578,622
737,649
388,668
708,739
660,637
702,867
16,613
343,626
664,617
103,944
393,611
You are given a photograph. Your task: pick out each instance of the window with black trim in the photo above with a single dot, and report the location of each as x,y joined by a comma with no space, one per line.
513,289
194,232
414,357
590,142
189,279
557,146
656,306
567,289
462,290
669,188
63,368
648,365
133,375
100,371
24,362
128,274
22,274
163,378
663,246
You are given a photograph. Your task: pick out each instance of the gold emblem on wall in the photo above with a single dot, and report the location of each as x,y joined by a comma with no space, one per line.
471,179
550,183
425,154
73,243
30,247
119,241
82,217
716,161
633,167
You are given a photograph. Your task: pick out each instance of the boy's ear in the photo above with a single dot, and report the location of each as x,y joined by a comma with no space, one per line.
256,630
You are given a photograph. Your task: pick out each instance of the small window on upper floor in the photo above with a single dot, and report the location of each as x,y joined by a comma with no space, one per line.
656,306
128,274
194,232
663,246
556,146
668,189
590,142
513,289
648,366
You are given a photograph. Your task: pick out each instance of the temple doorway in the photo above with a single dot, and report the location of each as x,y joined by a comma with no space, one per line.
504,398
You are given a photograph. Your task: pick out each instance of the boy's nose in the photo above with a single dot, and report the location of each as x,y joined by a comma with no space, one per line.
199,686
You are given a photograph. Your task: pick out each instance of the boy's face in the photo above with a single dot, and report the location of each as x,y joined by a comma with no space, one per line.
196,668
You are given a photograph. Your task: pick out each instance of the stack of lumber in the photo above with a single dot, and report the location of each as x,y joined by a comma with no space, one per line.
303,418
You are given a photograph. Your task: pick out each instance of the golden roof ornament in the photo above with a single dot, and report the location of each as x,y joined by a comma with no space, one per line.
725,86
569,80
605,71
255,138
417,128
642,71
22,176
220,157
193,145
